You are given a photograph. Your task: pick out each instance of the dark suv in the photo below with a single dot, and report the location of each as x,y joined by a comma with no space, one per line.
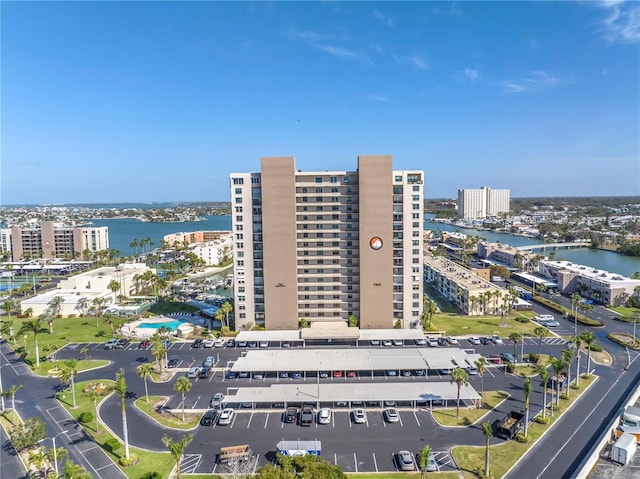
197,343
291,414
306,416
122,343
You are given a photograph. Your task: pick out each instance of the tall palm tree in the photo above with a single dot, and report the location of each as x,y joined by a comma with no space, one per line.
578,344
40,460
540,332
461,378
176,448
183,386
515,338
71,470
544,376
423,457
120,388
158,350
33,326
134,244
481,366
68,374
114,286
12,393
558,365
55,305
575,300
488,432
144,371
528,387
91,392
226,308
567,356
589,339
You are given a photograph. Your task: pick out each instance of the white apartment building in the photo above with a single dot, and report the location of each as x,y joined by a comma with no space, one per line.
213,252
327,245
482,203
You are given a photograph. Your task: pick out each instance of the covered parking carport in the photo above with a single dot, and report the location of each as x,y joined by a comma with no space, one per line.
281,338
333,394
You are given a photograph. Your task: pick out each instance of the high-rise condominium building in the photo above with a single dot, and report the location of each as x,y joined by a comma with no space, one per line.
483,202
325,246
51,241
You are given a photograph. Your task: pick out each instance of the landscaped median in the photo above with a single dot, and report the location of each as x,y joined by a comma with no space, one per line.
147,462
53,369
469,416
504,456
153,409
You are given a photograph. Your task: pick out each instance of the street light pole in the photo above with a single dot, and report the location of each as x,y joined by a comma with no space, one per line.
55,452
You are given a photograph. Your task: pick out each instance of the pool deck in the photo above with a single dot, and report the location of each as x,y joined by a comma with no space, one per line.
134,329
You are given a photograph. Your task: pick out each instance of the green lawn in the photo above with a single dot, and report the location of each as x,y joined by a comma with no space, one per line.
504,456
162,463
625,312
469,416
458,325
173,420
51,369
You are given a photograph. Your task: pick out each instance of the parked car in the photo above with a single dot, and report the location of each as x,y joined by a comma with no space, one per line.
144,344
324,374
122,343
284,375
421,342
405,373
552,324
508,357
444,371
392,372
418,372
397,342
351,374
495,359
432,342
386,342
231,343
208,362
173,362
243,374
375,342
485,340
432,464
209,417
337,374
451,340
290,415
219,343
226,416
230,375
204,373
405,461
296,375
242,344
472,370
391,415
264,344
359,416
197,343
111,344
496,339
193,372
216,401
208,343
474,340
306,416
442,342
324,416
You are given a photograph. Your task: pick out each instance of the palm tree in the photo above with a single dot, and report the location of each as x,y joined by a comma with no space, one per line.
55,305
12,393
575,300
158,350
120,388
114,286
558,365
226,308
68,374
218,316
515,338
111,320
176,448
488,432
33,326
540,332
589,339
567,356
71,470
544,376
461,378
144,371
83,305
40,460
528,387
578,344
91,392
481,365
423,457
134,244
183,386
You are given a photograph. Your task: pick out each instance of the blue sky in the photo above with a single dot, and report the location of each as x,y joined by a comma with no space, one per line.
160,101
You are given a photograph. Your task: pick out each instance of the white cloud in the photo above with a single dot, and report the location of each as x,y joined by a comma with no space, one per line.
321,42
533,81
415,62
452,10
381,98
345,54
382,18
620,22
471,74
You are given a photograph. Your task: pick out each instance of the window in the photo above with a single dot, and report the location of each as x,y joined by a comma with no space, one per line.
304,189
238,209
334,189
238,200
238,181
333,179
398,177
305,199
318,179
416,188
415,197
239,218
345,179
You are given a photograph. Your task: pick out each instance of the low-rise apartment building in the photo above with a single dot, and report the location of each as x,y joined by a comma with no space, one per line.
601,286
474,295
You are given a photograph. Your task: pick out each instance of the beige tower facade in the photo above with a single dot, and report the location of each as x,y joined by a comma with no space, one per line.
326,246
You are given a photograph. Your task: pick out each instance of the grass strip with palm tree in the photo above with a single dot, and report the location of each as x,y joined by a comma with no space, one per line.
490,400
167,419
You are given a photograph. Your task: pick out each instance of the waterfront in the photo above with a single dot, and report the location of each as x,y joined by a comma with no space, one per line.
123,231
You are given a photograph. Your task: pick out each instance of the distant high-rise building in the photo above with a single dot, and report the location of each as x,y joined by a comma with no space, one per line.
328,245
50,241
482,203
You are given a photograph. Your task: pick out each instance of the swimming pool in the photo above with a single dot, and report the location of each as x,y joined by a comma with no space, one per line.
172,325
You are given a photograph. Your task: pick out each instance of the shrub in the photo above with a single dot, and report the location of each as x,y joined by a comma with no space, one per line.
533,358
520,437
112,444
596,348
564,396
86,417
128,462
71,316
511,367
522,319
543,420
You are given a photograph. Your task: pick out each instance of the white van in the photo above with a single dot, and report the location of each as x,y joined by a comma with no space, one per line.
543,318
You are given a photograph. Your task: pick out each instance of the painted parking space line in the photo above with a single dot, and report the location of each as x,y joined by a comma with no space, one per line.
375,463
249,423
266,420
416,418
355,461
196,402
189,463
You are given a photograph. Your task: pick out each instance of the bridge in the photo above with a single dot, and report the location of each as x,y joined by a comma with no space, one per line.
554,246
